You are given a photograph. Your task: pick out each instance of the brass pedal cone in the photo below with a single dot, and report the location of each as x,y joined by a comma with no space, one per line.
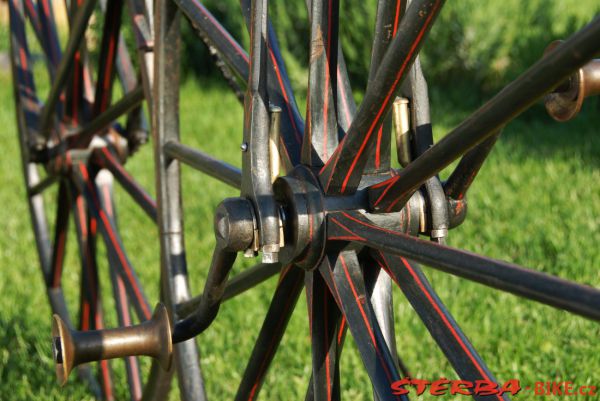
565,102
151,338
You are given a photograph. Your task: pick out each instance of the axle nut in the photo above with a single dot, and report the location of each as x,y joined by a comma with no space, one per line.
234,226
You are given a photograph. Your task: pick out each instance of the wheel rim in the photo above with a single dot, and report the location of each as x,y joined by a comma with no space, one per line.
85,184
312,150
344,279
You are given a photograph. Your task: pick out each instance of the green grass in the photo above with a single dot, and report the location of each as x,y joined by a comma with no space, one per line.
536,203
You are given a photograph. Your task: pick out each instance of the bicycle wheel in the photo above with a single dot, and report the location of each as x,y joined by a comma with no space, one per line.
340,223
74,144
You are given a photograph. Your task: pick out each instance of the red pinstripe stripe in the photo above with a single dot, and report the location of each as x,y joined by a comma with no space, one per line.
389,94
366,320
285,96
342,91
118,249
58,262
326,83
378,147
106,381
354,235
397,18
75,100
85,321
114,163
439,312
327,356
346,238
341,330
108,76
131,361
389,183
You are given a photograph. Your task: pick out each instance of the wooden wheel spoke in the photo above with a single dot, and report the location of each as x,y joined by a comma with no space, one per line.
204,162
76,105
84,135
116,251
441,325
85,228
124,317
346,282
278,87
389,15
107,160
22,71
32,14
345,103
90,309
100,204
321,137
60,235
342,173
281,94
464,174
281,308
541,287
324,322
379,288
484,123
65,67
48,35
131,363
108,54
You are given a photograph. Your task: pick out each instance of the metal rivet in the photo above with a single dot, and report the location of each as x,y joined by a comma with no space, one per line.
244,147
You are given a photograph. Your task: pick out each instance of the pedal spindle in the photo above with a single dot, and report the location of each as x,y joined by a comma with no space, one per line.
150,338
566,100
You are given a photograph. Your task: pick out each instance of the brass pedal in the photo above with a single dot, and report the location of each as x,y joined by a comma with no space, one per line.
150,338
566,100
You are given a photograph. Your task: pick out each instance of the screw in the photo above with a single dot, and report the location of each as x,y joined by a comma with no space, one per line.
244,147
270,253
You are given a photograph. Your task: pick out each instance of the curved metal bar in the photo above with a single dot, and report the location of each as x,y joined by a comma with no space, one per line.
550,290
212,296
238,284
